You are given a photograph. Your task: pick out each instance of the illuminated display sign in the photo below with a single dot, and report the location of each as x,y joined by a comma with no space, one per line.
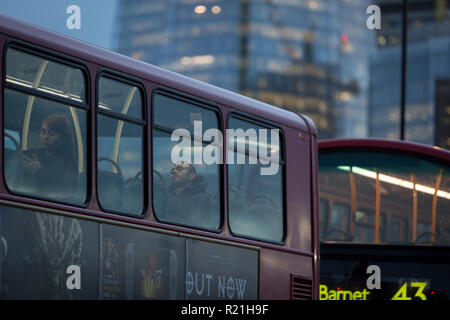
394,289
326,293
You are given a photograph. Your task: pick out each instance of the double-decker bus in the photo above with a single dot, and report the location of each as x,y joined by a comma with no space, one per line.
384,220
118,181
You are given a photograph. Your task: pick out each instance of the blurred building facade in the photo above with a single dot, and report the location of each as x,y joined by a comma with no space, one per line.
306,56
312,56
427,96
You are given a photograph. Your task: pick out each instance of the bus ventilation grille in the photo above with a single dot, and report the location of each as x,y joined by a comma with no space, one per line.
301,287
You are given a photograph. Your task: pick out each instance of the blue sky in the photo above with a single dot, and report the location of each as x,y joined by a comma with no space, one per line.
97,17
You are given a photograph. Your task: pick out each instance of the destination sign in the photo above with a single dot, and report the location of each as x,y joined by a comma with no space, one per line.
394,289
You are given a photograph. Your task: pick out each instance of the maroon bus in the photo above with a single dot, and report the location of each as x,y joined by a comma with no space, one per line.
93,205
384,220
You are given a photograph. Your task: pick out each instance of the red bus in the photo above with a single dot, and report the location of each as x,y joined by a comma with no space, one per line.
384,220
92,205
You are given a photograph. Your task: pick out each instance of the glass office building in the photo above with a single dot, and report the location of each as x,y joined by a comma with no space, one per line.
427,75
318,57
307,56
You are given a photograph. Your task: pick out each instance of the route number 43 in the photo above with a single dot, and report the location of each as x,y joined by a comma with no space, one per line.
402,293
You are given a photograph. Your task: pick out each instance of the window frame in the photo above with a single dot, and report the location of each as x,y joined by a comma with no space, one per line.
200,103
250,118
143,123
63,59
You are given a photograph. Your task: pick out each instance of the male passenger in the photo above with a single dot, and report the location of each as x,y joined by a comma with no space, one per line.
187,200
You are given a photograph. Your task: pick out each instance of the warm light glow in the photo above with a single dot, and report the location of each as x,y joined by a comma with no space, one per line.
200,9
197,60
216,9
138,55
313,5
395,181
344,96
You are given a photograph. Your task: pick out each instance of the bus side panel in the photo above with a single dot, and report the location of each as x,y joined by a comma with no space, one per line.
315,215
276,270
138,264
2,42
51,256
46,256
218,271
298,188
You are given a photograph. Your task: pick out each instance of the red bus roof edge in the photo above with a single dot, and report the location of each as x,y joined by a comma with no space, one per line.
376,143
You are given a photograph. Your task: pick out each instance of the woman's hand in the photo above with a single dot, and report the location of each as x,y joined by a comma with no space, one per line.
31,163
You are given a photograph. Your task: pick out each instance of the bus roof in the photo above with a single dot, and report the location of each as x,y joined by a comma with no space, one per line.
89,52
399,145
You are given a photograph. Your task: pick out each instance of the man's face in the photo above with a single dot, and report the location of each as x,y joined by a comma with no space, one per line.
181,174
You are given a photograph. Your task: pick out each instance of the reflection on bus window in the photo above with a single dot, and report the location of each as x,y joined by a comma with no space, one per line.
365,226
45,76
184,192
255,201
397,199
339,222
397,229
119,147
119,97
47,158
324,207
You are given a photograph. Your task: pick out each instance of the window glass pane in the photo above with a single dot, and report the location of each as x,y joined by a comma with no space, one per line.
324,207
45,75
257,139
365,226
174,114
413,201
339,222
182,192
397,229
119,97
186,182
255,199
45,148
120,165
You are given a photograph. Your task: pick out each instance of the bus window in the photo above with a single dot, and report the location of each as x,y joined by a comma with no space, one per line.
44,128
186,187
45,76
120,129
255,200
324,207
339,222
364,230
397,229
411,194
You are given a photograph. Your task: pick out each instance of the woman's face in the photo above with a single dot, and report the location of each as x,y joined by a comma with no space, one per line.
50,139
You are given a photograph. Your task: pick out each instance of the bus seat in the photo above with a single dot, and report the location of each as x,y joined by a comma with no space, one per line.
133,196
110,190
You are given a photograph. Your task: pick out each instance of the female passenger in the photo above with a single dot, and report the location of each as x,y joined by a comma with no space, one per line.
51,170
